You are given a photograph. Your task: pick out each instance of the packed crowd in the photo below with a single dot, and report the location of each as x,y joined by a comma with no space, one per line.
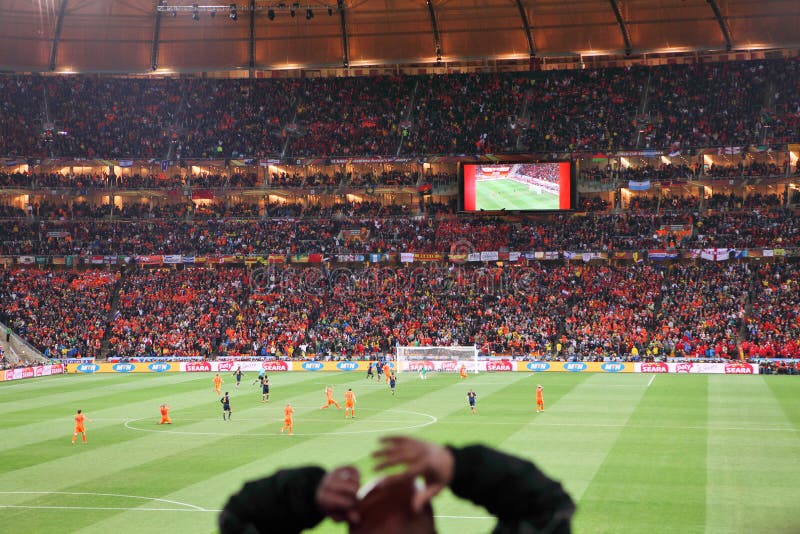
570,310
86,182
701,105
181,313
702,309
64,314
773,326
755,169
730,221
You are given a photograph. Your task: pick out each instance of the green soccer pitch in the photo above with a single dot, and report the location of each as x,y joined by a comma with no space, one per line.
638,453
492,195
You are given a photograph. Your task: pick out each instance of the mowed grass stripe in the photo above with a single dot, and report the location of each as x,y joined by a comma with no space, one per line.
302,384
328,451
571,439
92,395
47,429
752,475
140,399
653,472
502,416
97,466
109,423
786,391
584,412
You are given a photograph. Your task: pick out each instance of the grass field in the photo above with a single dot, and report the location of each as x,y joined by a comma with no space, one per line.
506,194
638,453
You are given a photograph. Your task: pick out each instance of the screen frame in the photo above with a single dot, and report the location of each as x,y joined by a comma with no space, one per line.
572,195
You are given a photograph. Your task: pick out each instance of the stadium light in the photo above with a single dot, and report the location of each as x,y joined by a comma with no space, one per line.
270,7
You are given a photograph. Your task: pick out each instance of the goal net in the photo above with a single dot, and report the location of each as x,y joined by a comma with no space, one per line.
437,358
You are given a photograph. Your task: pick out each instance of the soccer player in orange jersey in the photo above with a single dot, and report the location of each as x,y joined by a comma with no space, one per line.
539,399
462,371
387,370
218,384
165,415
80,426
349,403
288,422
329,399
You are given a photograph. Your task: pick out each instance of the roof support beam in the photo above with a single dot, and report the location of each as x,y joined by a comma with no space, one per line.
723,24
57,37
156,38
345,45
437,43
623,28
527,28
252,46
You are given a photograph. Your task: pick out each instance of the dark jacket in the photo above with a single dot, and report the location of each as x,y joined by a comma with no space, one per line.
523,499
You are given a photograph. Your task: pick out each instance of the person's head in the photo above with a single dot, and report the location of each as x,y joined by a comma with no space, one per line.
539,386
79,411
226,393
386,507
349,389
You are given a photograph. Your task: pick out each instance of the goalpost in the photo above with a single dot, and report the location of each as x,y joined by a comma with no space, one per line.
437,358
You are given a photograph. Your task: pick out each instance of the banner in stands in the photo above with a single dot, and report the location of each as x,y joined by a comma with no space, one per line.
730,368
493,365
455,365
576,367
124,367
229,366
311,365
710,254
30,372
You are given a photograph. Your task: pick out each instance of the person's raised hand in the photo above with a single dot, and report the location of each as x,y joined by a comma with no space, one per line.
336,494
419,458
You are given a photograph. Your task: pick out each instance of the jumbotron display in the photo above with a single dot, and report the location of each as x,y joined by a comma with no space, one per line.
516,186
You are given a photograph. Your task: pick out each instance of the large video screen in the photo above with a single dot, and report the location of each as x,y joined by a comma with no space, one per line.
516,186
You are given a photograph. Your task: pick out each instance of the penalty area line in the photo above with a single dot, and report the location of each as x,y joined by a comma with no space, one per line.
189,507
204,510
463,516
651,380
106,508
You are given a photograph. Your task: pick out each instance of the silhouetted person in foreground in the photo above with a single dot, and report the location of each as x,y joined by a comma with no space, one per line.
515,491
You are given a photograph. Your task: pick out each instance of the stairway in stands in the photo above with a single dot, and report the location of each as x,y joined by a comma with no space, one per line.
105,347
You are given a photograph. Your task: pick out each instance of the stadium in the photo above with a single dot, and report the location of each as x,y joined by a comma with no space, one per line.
421,210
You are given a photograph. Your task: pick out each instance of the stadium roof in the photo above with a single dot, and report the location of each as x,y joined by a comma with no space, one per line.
130,35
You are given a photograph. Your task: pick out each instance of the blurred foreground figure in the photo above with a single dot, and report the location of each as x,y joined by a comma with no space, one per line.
515,491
